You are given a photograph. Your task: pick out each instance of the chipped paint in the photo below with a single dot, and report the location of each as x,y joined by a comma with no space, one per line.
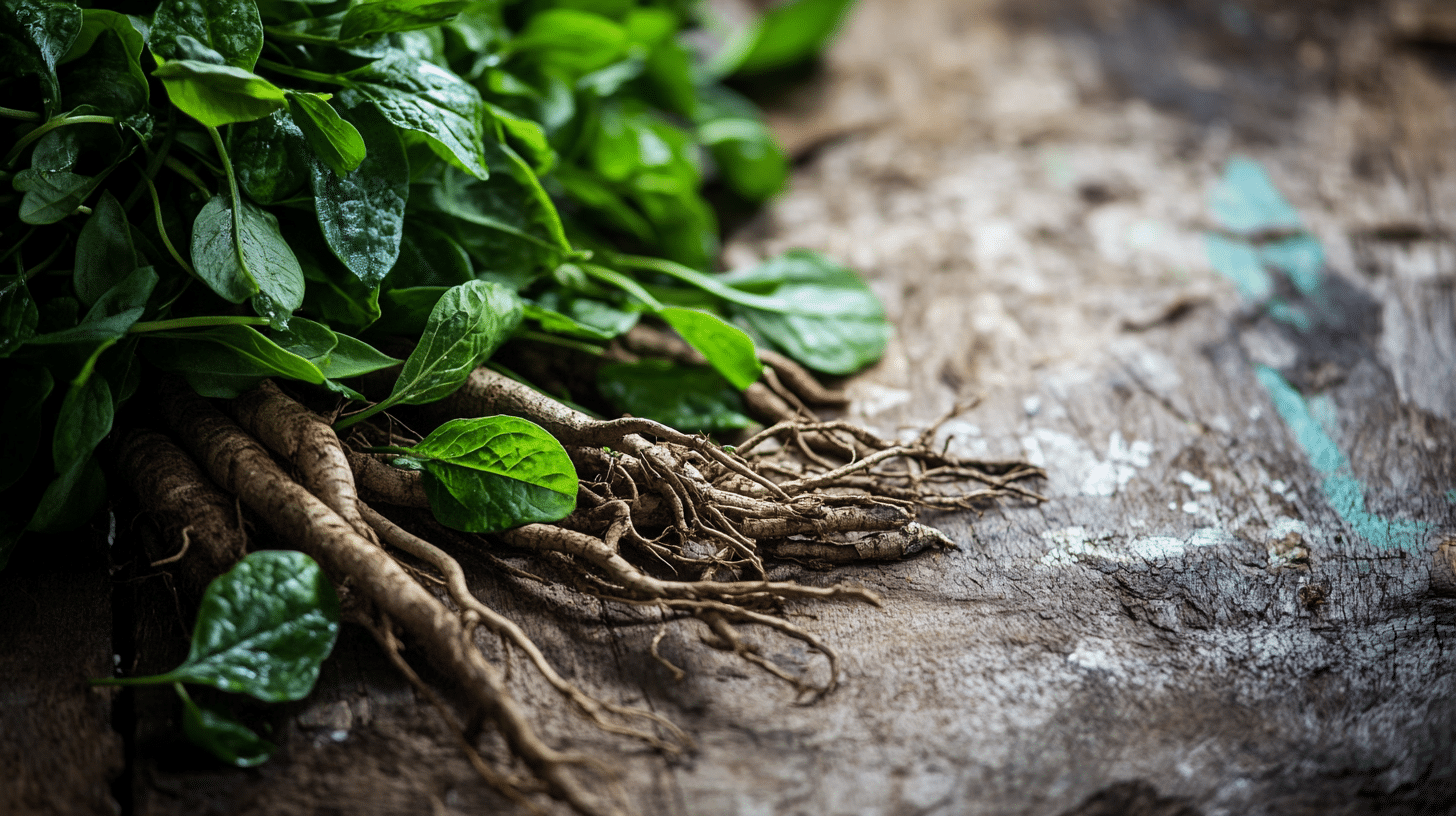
1194,483
1345,493
1074,545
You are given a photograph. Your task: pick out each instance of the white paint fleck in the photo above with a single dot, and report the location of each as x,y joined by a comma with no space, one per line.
1156,548
1221,423
1031,405
1280,487
1172,505
1073,544
1194,483
874,400
339,735
1191,507
1137,522
1255,412
1106,478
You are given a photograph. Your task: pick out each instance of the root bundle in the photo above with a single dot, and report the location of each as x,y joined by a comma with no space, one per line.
664,520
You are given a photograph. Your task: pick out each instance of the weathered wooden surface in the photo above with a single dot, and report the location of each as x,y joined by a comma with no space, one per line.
1227,607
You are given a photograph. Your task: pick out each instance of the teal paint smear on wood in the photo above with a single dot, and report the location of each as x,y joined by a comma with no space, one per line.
1240,263
1345,493
1245,200
1301,258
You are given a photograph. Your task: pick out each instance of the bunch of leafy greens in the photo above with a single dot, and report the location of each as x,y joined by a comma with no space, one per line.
234,190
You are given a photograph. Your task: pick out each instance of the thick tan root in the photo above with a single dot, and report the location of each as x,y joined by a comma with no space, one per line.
305,439
241,465
190,510
473,611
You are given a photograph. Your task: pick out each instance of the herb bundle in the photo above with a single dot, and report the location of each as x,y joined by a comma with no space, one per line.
291,231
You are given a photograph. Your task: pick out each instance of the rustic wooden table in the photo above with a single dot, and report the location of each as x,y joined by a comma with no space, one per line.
1196,259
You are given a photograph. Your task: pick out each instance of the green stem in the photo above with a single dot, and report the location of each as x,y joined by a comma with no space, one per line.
564,342
186,172
626,284
24,116
197,322
695,278
362,415
303,73
162,229
58,122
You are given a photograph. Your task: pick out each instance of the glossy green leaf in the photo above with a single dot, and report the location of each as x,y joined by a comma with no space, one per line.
422,97
34,36
25,392
466,326
819,312
254,262
218,95
230,28
104,250
270,157
361,213
384,16
585,318
726,347
336,142
786,34
494,473
263,629
71,499
750,160
337,356
112,315
104,66
226,738
227,360
690,398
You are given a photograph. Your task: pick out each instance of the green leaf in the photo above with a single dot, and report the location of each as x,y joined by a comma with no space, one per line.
112,315
422,97
577,42
361,213
218,95
227,360
19,317
586,318
263,629
751,161
690,398
20,414
429,256
51,195
384,16
84,420
104,250
788,33
813,310
227,739
230,28
34,35
336,142
466,326
104,70
494,473
727,348
270,157
255,262
338,356
339,298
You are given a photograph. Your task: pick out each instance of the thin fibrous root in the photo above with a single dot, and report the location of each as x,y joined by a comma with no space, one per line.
305,439
594,709
187,506
546,538
240,465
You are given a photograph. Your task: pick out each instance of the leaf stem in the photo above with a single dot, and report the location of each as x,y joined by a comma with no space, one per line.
162,229
626,284
695,278
304,73
186,172
564,342
197,322
58,122
362,415
24,116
